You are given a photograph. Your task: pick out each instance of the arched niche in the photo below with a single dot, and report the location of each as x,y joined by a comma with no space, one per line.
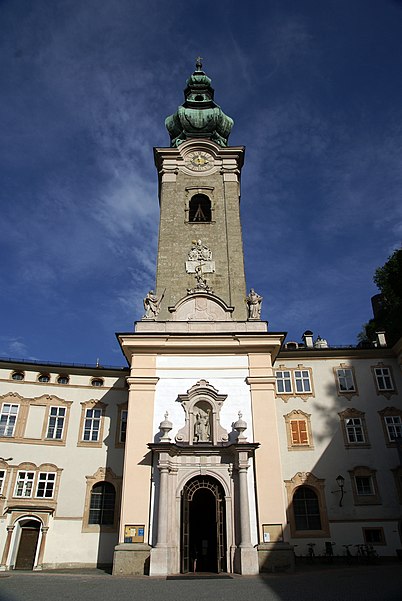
202,405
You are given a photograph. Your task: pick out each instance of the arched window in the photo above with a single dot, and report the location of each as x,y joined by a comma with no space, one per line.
101,508
306,509
200,208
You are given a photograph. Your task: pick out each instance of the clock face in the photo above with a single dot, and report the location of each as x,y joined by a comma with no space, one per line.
199,161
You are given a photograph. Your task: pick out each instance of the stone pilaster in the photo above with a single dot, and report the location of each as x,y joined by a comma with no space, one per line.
3,565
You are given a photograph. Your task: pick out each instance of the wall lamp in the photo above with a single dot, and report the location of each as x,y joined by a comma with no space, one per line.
340,480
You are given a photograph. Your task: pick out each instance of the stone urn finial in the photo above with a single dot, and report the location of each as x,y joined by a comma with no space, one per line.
240,426
165,426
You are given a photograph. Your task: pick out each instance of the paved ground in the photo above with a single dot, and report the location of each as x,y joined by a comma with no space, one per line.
354,583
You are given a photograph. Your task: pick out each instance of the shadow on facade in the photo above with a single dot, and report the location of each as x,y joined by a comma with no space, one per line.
104,486
330,521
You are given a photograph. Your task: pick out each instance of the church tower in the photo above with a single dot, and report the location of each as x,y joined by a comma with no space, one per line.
200,237
201,407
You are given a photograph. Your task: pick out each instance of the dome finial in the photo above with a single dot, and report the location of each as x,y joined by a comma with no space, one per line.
199,116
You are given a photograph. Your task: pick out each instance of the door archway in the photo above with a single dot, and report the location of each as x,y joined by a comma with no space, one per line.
28,544
203,539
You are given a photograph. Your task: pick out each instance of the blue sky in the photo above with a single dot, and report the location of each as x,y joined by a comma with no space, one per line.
315,90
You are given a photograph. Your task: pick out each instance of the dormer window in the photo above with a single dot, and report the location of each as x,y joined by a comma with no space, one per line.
44,378
17,375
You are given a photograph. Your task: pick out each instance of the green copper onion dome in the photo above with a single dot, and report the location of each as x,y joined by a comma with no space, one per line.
199,116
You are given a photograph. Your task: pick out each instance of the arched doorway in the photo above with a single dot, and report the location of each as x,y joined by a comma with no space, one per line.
28,544
203,540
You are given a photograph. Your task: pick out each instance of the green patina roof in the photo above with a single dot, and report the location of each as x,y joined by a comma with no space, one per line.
199,116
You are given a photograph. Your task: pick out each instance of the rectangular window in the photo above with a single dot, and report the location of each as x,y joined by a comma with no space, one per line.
8,418
374,536
24,484
364,485
92,424
45,486
123,425
393,424
345,380
383,378
283,382
298,430
302,381
354,429
2,480
56,423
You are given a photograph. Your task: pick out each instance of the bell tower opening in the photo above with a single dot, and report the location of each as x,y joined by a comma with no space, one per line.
200,208
203,546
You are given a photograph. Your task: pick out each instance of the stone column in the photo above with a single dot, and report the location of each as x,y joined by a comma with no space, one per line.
6,549
160,554
162,508
42,547
248,555
245,532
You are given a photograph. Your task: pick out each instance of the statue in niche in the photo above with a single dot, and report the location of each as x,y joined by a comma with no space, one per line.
202,426
254,302
152,305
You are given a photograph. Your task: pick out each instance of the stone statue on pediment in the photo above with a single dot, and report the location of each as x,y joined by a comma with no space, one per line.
254,302
152,305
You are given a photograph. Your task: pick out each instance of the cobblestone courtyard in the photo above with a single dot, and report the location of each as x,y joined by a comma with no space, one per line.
363,583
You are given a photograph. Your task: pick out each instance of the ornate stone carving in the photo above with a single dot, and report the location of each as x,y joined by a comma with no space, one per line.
240,425
200,256
201,306
165,426
201,285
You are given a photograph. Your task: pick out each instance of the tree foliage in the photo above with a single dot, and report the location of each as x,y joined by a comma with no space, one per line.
388,315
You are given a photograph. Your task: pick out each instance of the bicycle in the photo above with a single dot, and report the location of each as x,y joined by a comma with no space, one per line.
329,551
310,551
348,555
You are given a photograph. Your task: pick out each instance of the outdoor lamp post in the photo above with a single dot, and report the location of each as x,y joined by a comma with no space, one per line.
340,480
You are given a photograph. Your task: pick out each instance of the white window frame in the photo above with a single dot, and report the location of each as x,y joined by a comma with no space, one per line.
353,425
59,423
393,426
383,374
284,379
27,481
364,491
7,426
304,380
345,375
89,422
49,480
3,474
